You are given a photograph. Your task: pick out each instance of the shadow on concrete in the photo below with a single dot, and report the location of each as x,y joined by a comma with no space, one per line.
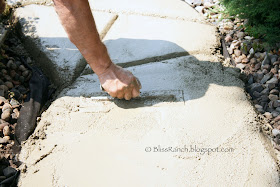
161,66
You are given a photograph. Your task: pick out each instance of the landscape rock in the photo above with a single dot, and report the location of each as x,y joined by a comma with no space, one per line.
275,132
266,60
256,87
240,66
266,78
6,131
240,35
273,80
268,115
237,52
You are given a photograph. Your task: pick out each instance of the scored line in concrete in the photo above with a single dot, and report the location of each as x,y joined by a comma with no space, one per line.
49,45
134,40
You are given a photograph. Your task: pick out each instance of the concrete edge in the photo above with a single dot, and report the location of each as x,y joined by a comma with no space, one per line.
43,62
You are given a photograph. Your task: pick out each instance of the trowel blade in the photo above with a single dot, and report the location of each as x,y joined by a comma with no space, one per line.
162,95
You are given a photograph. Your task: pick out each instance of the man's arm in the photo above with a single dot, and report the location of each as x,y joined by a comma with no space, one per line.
78,22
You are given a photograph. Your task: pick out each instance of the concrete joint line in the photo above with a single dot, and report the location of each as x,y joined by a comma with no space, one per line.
108,27
44,155
153,59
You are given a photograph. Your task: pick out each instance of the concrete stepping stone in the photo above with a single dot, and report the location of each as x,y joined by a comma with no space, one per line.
175,9
48,43
134,40
181,73
208,138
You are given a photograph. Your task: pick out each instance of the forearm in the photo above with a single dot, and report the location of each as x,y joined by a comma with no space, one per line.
78,22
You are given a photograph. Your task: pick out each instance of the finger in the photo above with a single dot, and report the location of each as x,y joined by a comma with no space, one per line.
120,95
112,93
135,93
128,95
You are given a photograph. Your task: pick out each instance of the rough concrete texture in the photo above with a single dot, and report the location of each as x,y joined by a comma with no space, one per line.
134,40
93,141
174,9
48,42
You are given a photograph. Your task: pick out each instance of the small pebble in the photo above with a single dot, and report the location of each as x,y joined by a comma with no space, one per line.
9,84
22,68
275,132
273,97
268,115
6,131
6,115
3,141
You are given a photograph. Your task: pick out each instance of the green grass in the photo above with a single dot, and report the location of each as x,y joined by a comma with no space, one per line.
263,16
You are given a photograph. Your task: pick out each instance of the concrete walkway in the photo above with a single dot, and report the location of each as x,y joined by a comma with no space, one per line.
192,126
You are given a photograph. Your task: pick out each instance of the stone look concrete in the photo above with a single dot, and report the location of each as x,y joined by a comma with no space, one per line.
49,44
86,138
99,142
134,40
174,9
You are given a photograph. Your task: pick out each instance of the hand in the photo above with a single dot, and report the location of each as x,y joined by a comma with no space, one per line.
120,83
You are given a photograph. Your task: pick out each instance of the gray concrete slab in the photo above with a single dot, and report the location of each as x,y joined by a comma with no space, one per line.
175,9
48,43
93,141
133,40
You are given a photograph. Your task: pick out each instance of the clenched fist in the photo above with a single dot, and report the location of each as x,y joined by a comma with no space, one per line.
120,83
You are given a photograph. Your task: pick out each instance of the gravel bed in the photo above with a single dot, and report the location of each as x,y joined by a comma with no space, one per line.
14,88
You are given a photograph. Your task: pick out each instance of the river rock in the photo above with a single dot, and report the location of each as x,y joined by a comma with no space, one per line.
3,141
256,87
266,78
228,38
257,94
265,91
266,60
274,91
275,132
237,52
6,131
6,115
273,80
241,66
240,35
275,113
276,103
268,115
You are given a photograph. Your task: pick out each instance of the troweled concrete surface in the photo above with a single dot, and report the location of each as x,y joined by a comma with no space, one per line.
192,126
187,102
49,45
137,39
156,8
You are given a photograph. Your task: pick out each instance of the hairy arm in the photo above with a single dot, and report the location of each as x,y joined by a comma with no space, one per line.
78,22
